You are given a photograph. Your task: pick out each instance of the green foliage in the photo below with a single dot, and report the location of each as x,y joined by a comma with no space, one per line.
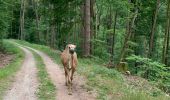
4,20
100,49
136,95
5,15
1,45
152,70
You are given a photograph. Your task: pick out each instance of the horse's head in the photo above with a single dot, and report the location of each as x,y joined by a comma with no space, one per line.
71,48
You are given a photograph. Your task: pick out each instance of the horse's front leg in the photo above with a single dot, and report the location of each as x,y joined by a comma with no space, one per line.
72,73
69,83
66,76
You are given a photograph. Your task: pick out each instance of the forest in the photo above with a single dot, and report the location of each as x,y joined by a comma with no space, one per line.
128,35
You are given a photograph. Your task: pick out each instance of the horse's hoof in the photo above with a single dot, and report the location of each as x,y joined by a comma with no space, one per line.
66,84
69,93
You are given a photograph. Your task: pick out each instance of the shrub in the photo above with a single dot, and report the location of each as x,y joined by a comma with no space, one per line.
151,70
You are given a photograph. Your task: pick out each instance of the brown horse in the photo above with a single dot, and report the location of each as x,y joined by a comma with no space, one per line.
69,61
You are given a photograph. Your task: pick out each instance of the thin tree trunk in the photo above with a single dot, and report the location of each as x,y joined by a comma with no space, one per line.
53,35
96,23
22,13
167,50
128,35
19,36
92,26
23,19
11,22
151,44
83,28
109,27
35,4
75,26
130,25
164,53
87,28
113,37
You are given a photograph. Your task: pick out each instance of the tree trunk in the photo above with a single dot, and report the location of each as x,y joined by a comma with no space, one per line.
87,29
166,35
22,13
151,44
167,50
109,27
12,13
96,22
165,44
35,5
113,37
92,26
19,36
53,36
52,28
82,35
130,26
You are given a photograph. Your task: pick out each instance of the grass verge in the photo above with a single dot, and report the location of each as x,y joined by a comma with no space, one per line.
109,83
7,73
46,89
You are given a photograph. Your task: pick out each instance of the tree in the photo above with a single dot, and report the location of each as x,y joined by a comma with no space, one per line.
37,17
153,30
166,37
5,20
113,36
129,29
22,17
86,52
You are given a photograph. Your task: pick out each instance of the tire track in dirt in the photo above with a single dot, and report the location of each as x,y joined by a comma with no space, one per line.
26,83
58,79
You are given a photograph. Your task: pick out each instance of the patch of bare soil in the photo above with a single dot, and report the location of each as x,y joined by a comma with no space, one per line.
25,84
5,59
58,79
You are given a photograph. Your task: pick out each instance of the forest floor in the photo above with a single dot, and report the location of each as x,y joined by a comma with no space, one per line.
25,84
5,59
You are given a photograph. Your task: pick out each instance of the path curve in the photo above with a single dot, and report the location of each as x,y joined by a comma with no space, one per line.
26,83
58,79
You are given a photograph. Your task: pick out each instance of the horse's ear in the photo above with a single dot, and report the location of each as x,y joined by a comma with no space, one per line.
75,46
66,46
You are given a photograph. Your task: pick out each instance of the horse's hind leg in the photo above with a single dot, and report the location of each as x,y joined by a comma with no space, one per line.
72,73
69,83
69,90
66,76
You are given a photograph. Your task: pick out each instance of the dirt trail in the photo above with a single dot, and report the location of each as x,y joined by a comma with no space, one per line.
58,78
25,85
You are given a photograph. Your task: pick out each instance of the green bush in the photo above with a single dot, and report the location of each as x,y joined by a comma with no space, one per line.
151,70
